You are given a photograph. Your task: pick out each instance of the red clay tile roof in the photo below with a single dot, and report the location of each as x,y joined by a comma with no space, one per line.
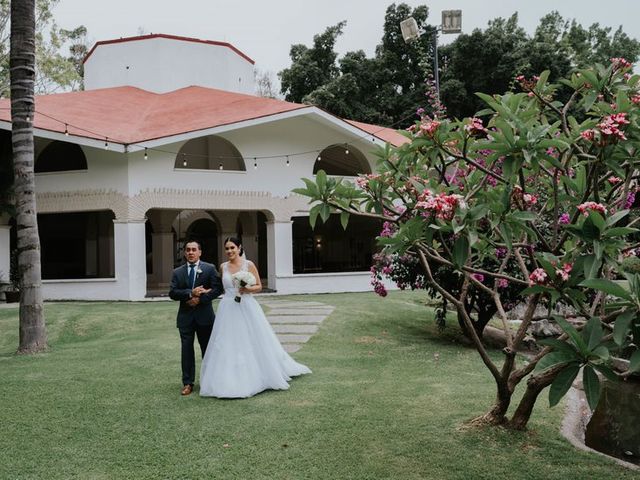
130,115
172,37
383,133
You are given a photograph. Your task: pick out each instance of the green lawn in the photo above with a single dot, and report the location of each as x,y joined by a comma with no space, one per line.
104,403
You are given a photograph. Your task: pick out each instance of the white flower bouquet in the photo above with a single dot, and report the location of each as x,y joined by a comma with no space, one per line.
243,279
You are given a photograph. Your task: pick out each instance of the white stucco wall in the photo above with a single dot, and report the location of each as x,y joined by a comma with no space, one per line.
130,176
165,64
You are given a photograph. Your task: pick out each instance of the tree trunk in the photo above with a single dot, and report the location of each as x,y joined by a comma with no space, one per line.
535,385
497,414
33,334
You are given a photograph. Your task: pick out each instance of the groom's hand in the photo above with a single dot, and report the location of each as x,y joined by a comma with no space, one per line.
193,301
196,292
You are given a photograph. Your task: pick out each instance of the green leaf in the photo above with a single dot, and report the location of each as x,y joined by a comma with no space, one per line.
461,251
523,215
325,212
634,361
591,266
623,325
562,383
606,286
321,180
344,219
557,357
600,352
591,386
613,219
558,346
570,330
592,332
619,232
607,372
313,214
590,230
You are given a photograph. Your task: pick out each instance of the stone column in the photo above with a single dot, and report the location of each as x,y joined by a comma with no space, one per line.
279,250
162,248
249,222
5,248
130,262
227,227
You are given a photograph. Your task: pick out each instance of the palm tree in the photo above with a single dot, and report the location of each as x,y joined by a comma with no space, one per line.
33,333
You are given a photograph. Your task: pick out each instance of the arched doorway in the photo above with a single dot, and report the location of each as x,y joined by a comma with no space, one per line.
205,231
341,160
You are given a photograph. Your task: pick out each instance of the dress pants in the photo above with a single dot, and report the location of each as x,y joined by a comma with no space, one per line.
187,336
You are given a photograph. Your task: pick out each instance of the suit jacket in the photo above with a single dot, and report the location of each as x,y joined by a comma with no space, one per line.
202,314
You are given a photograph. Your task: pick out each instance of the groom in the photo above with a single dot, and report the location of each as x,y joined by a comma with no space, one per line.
189,285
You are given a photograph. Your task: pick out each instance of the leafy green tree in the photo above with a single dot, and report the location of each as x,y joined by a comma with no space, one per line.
311,67
488,60
383,89
54,70
551,193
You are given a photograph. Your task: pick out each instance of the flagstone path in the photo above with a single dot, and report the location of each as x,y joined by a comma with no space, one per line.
294,322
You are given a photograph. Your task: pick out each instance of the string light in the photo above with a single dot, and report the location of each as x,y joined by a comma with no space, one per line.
184,160
220,167
255,163
288,162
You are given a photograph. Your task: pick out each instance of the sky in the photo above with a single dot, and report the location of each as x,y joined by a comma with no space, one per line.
265,29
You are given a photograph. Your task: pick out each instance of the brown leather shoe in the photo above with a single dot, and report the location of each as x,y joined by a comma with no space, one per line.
186,390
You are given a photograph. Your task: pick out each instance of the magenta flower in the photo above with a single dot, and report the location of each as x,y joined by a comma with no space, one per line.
478,276
631,199
503,283
564,219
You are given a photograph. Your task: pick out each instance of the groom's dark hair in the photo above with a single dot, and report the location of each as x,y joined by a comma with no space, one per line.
184,246
236,241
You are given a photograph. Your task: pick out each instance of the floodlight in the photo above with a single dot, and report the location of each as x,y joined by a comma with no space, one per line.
409,29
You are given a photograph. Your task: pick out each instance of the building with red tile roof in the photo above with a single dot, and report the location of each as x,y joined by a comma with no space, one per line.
125,173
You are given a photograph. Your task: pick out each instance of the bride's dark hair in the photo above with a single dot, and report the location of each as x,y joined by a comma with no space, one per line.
236,241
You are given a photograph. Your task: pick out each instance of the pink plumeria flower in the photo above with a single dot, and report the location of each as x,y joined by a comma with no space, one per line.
538,277
587,207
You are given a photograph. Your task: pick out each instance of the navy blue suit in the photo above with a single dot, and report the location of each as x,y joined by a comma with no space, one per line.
198,320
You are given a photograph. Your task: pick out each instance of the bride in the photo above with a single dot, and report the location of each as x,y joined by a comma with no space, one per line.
244,356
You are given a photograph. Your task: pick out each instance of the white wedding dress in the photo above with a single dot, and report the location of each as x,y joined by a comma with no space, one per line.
244,356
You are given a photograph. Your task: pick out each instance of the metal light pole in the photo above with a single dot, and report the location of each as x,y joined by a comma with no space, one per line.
451,23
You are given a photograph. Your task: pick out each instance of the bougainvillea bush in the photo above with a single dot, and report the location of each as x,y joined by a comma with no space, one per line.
531,195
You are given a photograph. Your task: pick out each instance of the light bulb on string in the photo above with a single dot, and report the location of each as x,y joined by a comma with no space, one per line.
146,155
255,163
288,162
66,129
184,160
220,167
106,143
28,118
319,157
346,149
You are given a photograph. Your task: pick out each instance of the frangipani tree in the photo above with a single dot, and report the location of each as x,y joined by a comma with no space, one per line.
533,182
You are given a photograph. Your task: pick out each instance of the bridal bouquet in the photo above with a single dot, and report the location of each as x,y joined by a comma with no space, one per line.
243,279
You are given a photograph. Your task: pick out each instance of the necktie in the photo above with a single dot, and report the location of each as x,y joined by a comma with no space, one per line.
192,275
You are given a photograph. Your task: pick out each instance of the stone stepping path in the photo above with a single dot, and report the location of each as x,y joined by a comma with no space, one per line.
295,322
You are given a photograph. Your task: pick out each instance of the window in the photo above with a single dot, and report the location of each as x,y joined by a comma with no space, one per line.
61,157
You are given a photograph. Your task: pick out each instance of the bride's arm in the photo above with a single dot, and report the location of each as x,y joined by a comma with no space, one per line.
254,288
